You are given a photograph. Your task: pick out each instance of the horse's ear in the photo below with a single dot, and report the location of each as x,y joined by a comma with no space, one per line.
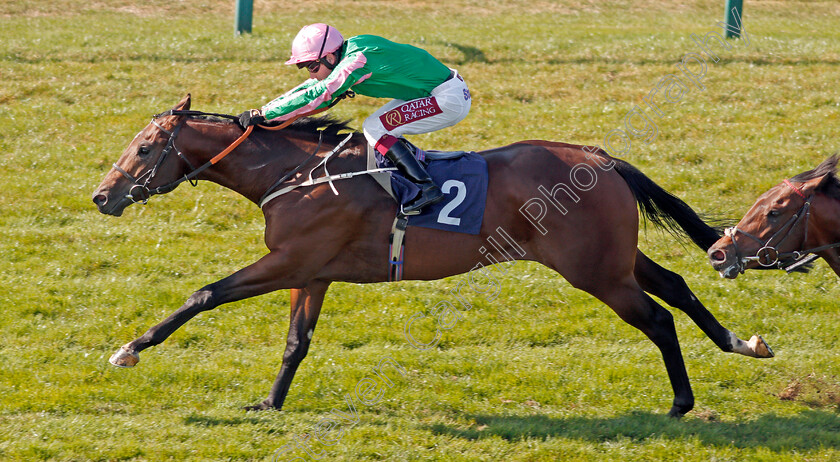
828,181
827,184
184,104
824,178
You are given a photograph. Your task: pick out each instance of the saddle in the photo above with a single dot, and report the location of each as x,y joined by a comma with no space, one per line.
375,161
461,175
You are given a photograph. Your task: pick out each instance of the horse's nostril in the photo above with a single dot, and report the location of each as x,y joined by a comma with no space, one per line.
717,255
100,199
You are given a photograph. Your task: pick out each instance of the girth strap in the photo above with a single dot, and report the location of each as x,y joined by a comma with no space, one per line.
383,178
397,247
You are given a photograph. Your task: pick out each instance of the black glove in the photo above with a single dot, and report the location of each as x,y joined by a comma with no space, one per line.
251,117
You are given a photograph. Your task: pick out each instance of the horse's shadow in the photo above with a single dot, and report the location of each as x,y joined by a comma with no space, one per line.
813,429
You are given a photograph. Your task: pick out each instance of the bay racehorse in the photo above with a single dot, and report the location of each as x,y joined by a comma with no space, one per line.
793,223
315,237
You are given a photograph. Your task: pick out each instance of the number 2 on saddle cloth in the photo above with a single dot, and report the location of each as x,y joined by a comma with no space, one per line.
462,176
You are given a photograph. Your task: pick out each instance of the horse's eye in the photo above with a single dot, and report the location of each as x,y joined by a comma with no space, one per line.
773,214
143,151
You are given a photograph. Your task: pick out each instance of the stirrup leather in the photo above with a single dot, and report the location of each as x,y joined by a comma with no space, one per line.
403,158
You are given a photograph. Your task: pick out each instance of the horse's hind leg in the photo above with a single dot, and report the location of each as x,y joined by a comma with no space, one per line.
640,311
671,288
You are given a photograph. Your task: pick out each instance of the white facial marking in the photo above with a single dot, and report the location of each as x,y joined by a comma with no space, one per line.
309,334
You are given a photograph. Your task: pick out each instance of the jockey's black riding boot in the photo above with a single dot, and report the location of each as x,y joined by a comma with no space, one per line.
404,159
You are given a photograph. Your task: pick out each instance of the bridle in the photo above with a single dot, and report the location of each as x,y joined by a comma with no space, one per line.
768,254
147,176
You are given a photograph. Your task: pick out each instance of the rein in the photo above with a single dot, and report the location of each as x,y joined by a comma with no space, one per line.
768,255
146,193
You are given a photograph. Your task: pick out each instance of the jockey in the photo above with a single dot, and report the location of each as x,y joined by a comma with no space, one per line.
425,94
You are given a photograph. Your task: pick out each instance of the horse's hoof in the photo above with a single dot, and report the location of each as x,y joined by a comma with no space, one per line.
676,413
263,406
124,358
681,407
760,347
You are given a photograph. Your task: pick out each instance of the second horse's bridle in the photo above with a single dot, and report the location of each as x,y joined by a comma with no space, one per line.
768,255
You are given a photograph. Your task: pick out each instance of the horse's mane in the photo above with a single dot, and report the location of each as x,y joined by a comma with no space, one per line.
831,185
328,124
212,118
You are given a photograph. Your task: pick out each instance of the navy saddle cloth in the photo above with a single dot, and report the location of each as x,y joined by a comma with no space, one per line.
462,176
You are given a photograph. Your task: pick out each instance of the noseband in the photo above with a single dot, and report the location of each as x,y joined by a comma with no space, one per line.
768,255
146,177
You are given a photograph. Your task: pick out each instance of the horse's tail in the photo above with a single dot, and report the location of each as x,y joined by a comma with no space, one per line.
666,210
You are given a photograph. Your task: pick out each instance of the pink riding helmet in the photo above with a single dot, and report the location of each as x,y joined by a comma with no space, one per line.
314,42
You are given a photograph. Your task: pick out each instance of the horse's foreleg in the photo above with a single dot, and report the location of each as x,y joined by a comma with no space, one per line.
305,308
671,288
259,278
640,311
